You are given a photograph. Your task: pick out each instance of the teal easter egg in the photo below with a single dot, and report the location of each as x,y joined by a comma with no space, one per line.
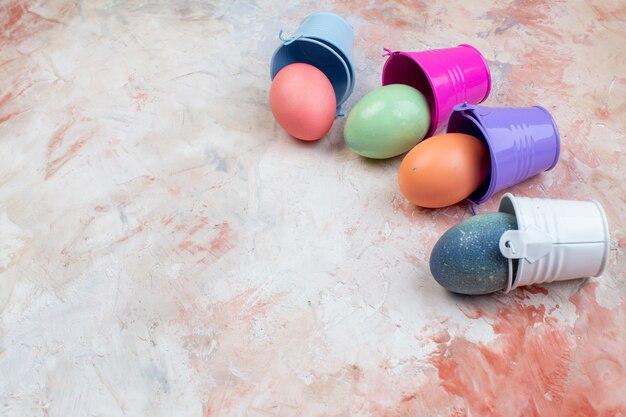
387,122
467,258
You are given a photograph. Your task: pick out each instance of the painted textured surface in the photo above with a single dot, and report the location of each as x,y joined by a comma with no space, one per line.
166,249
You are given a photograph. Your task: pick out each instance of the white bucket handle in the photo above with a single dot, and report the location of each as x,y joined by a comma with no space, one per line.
531,244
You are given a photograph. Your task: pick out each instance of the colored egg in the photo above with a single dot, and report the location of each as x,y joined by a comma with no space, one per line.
303,102
467,258
387,122
443,170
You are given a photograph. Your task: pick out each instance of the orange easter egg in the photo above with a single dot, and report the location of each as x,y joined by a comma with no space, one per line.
443,170
303,102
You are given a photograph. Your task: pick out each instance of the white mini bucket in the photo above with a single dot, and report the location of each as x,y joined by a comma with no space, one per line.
555,240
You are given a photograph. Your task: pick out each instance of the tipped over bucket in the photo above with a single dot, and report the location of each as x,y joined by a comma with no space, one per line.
556,240
324,40
446,77
522,142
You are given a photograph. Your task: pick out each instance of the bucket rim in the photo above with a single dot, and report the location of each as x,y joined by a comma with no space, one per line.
350,82
508,199
343,56
474,118
434,110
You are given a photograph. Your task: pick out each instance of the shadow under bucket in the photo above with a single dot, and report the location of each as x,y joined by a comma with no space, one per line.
324,40
556,240
446,77
522,142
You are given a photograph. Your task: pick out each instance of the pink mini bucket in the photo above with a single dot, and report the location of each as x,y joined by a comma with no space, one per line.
446,77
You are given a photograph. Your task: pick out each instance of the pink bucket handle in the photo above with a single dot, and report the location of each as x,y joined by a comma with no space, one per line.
388,52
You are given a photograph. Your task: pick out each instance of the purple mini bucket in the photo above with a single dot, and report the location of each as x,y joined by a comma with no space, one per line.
522,142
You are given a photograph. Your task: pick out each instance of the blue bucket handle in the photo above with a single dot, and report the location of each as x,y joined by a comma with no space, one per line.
287,41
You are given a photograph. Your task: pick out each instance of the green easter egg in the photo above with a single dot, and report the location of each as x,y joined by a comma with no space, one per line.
387,122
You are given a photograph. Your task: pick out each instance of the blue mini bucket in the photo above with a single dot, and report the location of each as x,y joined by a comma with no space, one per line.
324,40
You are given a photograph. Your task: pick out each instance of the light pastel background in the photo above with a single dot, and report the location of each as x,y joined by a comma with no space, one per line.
167,250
